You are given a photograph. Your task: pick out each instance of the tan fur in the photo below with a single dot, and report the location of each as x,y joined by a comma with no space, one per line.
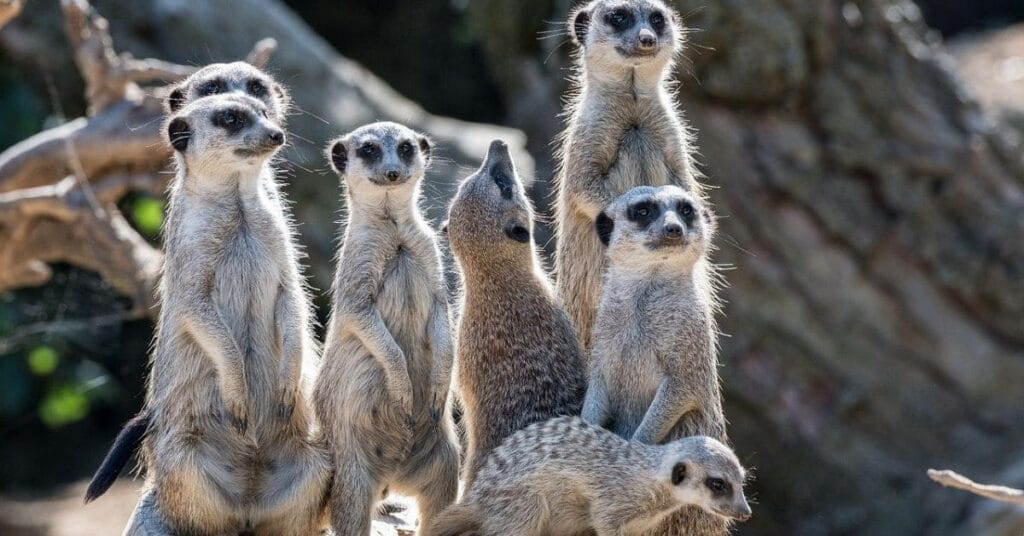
231,443
623,131
654,369
565,477
518,360
383,390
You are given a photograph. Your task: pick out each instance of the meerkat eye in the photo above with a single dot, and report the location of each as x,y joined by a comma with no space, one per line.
686,209
619,19
718,486
368,150
405,149
212,87
643,212
657,21
256,88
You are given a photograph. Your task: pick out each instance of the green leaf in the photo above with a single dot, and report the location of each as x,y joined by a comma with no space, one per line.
42,360
148,214
63,405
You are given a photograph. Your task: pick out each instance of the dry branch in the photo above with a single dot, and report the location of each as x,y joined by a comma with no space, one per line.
952,479
59,188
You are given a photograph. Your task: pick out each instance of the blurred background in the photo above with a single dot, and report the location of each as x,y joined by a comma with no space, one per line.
864,156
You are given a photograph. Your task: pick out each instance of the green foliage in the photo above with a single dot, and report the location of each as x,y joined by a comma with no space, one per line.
63,405
42,360
148,215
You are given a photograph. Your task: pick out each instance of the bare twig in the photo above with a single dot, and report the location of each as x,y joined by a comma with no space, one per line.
8,10
955,480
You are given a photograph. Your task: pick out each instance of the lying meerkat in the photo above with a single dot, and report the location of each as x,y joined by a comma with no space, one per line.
623,131
654,369
517,358
563,476
229,447
382,392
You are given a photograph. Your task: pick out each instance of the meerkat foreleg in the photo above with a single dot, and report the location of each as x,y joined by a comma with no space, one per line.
369,327
204,322
670,403
596,401
587,187
444,355
288,319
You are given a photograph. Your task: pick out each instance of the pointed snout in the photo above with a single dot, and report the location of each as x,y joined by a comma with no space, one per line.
647,39
742,511
497,153
392,175
673,228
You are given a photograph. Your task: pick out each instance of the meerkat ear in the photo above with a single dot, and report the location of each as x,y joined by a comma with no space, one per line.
604,226
678,473
710,220
339,157
426,147
175,99
579,23
179,133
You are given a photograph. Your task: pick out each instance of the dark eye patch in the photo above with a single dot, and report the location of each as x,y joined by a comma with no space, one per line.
503,180
256,88
686,212
643,213
212,87
718,487
657,20
231,120
369,152
619,19
406,151
678,474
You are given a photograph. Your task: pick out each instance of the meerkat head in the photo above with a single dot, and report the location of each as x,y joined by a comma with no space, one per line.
652,225
238,77
703,472
490,216
626,33
223,135
380,159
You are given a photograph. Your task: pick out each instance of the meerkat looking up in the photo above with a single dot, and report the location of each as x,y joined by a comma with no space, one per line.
654,368
382,393
517,359
230,444
563,476
623,131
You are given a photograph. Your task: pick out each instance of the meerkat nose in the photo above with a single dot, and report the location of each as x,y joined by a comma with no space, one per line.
647,38
392,174
673,230
275,137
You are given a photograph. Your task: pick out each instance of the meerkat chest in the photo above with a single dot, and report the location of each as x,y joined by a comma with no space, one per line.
247,271
409,279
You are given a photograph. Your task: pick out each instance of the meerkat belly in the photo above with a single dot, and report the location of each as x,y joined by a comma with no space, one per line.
640,161
404,302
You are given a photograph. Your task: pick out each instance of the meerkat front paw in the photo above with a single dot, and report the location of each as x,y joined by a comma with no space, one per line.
237,412
400,390
438,400
286,403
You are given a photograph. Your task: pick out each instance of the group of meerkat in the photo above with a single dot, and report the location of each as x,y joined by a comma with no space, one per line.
590,404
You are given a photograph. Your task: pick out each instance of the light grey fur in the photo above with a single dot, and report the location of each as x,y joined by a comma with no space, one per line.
236,77
654,368
623,131
231,443
383,390
563,476
517,359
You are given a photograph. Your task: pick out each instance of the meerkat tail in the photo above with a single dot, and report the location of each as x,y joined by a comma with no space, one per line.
458,519
121,451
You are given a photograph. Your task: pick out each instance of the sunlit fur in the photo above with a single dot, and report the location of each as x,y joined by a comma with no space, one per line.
383,390
563,476
517,358
623,131
231,444
654,366
236,77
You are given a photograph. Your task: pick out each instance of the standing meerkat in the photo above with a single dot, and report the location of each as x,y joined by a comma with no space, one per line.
517,359
229,444
563,476
382,393
623,131
654,369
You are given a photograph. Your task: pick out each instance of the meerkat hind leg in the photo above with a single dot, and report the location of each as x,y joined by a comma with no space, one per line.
436,484
352,497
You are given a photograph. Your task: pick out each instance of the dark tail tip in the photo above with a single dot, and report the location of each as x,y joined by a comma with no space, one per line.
122,450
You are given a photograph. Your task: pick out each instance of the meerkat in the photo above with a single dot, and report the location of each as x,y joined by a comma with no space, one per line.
382,393
517,358
654,368
563,476
230,445
623,131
